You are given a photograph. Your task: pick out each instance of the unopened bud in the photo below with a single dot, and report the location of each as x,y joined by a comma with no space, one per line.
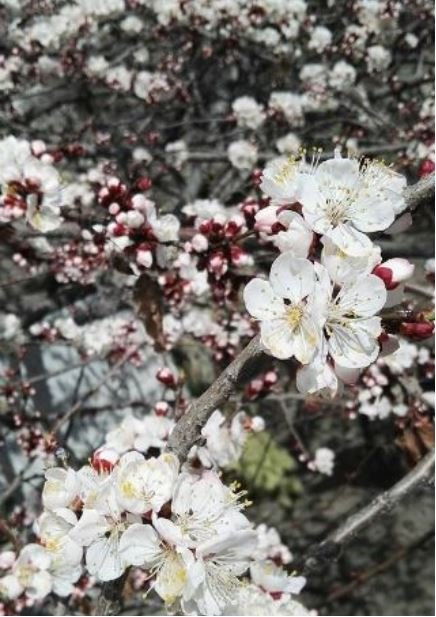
417,331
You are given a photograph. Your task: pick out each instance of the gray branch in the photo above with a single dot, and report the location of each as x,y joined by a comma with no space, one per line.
187,431
421,192
328,550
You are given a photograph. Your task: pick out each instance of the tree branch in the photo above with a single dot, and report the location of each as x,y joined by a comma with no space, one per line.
188,429
421,192
329,549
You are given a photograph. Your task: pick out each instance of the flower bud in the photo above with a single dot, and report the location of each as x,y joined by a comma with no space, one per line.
266,218
394,271
417,331
144,183
425,168
161,408
104,459
166,377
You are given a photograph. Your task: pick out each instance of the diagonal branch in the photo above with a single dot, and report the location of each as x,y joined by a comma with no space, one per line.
329,549
421,192
188,429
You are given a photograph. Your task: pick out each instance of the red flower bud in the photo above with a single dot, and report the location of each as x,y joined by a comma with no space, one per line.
144,183
426,167
386,275
417,331
166,377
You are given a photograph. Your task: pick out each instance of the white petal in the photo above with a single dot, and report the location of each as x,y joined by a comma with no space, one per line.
306,339
91,525
349,240
292,277
341,171
355,344
261,301
371,213
103,559
364,298
277,338
140,546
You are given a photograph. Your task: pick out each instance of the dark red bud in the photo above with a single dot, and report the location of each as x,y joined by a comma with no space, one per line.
417,331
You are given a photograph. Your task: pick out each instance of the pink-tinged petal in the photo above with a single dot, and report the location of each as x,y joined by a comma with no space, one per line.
292,277
261,301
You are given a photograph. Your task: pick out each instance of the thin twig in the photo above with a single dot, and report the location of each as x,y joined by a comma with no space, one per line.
77,406
329,549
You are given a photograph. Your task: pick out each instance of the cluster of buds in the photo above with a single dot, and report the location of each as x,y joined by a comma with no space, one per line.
260,386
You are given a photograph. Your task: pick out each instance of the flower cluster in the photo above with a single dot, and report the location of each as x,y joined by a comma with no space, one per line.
182,526
326,289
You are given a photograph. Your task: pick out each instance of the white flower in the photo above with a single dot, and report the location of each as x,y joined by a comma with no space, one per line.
273,578
141,546
324,461
288,104
320,38
342,267
61,488
250,600
378,58
342,76
270,546
30,184
29,574
142,485
242,154
177,152
66,555
287,329
101,536
153,432
224,443
351,327
339,199
297,237
212,579
202,509
248,112
288,144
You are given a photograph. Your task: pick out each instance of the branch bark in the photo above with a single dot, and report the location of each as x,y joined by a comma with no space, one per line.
329,549
421,192
187,431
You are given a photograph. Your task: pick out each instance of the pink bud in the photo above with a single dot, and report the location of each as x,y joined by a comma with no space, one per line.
394,271
417,331
266,218
161,408
165,376
104,459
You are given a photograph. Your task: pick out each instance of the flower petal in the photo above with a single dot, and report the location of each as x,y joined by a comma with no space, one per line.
365,297
277,337
355,344
350,240
261,301
292,277
140,546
